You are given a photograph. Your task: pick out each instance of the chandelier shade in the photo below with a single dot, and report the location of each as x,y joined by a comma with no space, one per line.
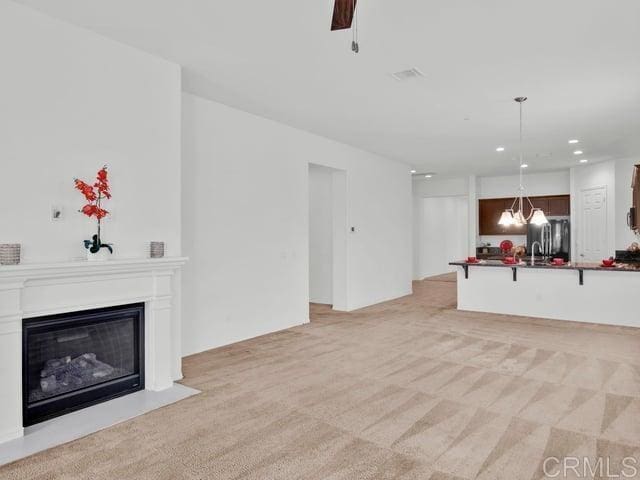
538,217
506,219
518,219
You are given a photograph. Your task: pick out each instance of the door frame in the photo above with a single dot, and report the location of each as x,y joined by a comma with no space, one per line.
420,273
340,250
580,230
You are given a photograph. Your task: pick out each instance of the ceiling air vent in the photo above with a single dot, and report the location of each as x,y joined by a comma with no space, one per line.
407,74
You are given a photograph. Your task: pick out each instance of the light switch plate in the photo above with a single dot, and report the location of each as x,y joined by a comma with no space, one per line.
56,213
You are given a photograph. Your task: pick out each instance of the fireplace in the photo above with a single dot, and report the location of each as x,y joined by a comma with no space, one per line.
74,360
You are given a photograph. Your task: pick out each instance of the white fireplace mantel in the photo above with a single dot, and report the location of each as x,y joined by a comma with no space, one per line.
34,290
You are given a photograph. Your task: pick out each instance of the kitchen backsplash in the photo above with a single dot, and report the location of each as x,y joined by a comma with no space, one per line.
495,240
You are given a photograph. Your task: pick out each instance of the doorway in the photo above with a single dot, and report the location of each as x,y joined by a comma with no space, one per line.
592,240
442,235
327,237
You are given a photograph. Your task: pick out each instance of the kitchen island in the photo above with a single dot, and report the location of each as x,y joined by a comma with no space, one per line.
585,292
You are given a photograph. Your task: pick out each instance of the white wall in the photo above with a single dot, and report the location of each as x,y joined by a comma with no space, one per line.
440,187
245,224
537,184
472,213
589,176
71,101
443,234
624,198
474,188
429,259
416,229
320,234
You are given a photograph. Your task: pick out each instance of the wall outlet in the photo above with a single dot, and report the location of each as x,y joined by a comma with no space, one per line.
56,214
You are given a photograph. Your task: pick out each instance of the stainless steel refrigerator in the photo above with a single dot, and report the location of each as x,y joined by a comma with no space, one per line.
555,238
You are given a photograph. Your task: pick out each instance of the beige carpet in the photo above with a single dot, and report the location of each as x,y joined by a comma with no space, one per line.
409,389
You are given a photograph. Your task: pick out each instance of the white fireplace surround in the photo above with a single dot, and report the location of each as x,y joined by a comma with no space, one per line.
34,290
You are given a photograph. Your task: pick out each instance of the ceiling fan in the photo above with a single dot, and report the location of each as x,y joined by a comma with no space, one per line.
344,12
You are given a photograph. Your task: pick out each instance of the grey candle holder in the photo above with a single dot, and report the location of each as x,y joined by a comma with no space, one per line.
156,249
9,253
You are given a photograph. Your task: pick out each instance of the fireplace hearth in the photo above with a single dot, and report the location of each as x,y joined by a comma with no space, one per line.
74,360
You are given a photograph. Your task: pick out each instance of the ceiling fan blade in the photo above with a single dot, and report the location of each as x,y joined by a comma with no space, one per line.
343,14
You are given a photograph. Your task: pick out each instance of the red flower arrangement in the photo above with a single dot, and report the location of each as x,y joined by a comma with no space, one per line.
95,194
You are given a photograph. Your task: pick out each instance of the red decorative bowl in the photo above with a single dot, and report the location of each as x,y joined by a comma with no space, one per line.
472,260
558,261
608,262
506,245
509,260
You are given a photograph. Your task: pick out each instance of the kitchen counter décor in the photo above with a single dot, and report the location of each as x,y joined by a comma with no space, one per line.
620,267
584,292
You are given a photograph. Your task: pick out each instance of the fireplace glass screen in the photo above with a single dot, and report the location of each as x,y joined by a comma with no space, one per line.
82,358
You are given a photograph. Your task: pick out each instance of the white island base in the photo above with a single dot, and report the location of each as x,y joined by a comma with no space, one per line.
607,296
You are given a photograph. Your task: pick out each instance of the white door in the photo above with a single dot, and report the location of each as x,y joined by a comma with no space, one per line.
592,240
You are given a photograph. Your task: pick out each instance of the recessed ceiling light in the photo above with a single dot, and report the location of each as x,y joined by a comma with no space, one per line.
578,152
413,171
524,165
583,160
428,175
574,141
500,149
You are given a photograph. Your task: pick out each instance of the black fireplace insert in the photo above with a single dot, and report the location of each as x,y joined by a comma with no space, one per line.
73,360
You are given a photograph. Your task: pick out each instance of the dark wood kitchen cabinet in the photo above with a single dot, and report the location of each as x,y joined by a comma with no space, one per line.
490,210
538,202
489,213
559,206
633,219
552,206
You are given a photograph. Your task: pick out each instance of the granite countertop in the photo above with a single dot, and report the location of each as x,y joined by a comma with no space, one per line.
619,267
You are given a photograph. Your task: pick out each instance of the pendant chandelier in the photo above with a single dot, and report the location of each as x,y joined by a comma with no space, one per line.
515,215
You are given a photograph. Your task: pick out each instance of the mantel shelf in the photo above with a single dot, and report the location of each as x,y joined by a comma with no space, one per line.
61,269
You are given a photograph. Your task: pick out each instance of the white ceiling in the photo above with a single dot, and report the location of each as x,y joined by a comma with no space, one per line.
578,61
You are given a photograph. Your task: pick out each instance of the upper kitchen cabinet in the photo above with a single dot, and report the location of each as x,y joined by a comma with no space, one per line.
559,206
490,210
538,202
552,206
634,211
